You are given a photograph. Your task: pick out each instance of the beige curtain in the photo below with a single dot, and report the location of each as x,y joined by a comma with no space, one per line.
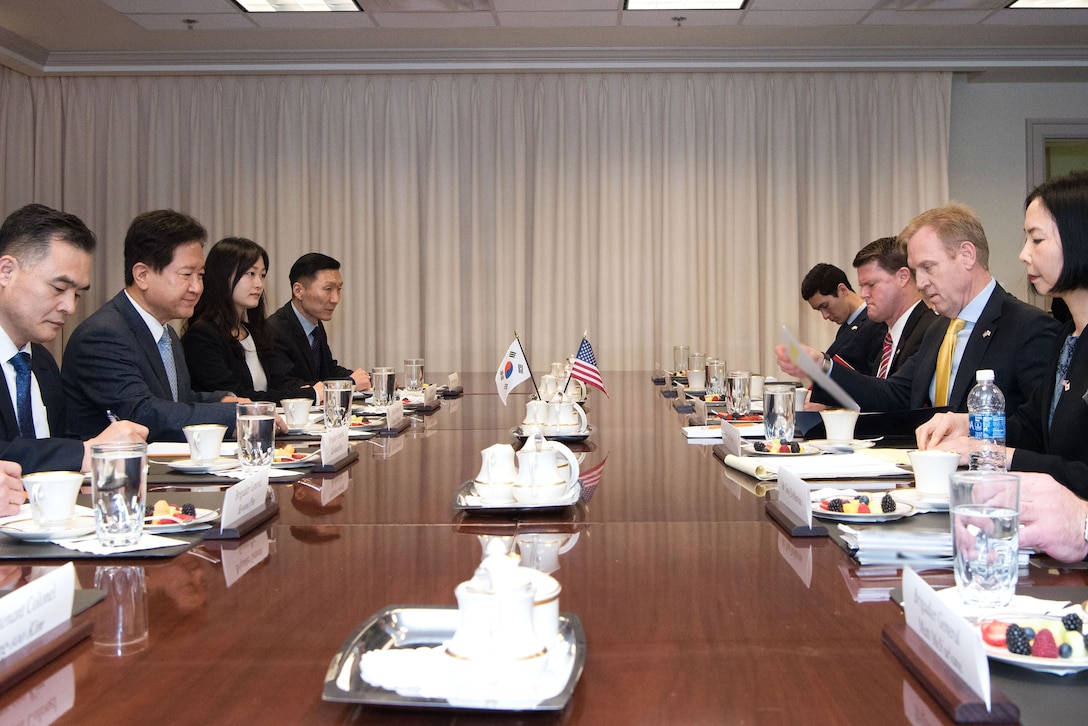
650,208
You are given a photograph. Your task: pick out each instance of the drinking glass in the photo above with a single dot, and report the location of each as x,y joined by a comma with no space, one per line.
985,508
413,374
384,382
120,622
715,377
738,393
679,359
778,412
697,371
256,432
338,395
118,491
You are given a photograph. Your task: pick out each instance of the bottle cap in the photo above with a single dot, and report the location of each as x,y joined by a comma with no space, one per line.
984,375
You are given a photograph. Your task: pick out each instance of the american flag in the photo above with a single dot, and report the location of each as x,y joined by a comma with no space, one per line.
585,367
591,478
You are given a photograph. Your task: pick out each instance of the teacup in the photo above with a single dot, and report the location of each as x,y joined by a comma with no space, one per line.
296,411
205,441
839,424
495,482
536,414
933,470
53,496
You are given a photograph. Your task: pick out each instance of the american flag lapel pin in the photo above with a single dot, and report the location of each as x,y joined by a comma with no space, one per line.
986,334
1065,384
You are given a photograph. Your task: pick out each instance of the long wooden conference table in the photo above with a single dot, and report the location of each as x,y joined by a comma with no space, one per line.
697,608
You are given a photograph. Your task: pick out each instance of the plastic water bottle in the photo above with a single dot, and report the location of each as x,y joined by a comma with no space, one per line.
986,412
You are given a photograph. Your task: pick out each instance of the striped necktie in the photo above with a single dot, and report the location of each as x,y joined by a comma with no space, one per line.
166,352
944,362
885,356
23,410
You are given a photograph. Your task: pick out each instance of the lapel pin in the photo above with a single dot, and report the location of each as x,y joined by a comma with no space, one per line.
986,334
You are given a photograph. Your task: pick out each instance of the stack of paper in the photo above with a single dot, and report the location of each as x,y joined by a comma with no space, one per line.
919,547
859,465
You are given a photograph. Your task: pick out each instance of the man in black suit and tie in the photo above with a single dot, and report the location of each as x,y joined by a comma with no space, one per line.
827,289
891,296
45,267
983,326
302,347
125,358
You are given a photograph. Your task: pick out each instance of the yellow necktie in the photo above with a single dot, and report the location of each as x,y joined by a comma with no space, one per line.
944,362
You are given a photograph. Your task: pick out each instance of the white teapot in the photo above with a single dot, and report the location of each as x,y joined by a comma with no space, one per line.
546,471
566,418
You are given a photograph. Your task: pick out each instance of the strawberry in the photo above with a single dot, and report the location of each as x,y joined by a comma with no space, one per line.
1044,645
993,633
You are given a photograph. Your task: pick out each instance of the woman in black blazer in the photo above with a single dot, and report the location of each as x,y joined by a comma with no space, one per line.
227,341
1047,433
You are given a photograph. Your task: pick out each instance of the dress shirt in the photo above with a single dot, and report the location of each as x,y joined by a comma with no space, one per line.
37,406
854,315
153,325
896,328
253,363
969,315
307,326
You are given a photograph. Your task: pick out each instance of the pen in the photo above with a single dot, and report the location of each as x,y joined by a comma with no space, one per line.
110,416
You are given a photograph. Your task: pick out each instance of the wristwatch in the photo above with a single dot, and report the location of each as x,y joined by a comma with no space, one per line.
826,365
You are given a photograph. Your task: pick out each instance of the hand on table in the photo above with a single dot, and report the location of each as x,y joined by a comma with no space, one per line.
12,493
118,432
941,428
362,379
1052,518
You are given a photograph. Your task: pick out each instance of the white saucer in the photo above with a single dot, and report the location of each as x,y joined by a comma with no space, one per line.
828,444
188,466
27,529
914,497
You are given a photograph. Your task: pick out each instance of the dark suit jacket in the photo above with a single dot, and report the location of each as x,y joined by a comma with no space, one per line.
859,343
1011,337
1058,449
112,363
918,322
52,454
293,353
215,365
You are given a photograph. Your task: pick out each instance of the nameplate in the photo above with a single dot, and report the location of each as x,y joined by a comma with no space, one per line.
699,406
394,414
334,445
243,499
46,702
454,381
430,396
731,438
947,634
798,558
243,558
334,486
34,609
794,496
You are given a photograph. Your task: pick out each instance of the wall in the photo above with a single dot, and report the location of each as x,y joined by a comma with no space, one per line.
987,165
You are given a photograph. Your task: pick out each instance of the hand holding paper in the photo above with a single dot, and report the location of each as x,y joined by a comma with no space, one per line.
801,357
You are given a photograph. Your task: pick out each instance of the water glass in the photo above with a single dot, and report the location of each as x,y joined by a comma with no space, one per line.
338,395
120,623
679,359
738,392
715,377
778,411
256,432
413,374
985,508
118,491
384,382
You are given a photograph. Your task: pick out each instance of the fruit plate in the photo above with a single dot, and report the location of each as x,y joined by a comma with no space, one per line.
203,516
466,500
1055,666
902,509
807,449
28,530
399,627
311,458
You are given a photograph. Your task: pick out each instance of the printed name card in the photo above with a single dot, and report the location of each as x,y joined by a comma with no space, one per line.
333,487
949,636
794,496
394,414
731,439
34,609
242,559
243,499
430,396
334,445
455,381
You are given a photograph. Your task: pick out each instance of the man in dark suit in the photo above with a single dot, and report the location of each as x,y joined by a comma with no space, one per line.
302,347
857,343
891,296
949,254
45,266
125,357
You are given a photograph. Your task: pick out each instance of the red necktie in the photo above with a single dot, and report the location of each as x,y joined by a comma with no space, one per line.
885,356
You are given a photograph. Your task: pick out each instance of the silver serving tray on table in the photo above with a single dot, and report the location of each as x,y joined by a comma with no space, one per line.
404,626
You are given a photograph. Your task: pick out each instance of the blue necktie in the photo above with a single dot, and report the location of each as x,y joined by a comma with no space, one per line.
318,335
21,363
167,353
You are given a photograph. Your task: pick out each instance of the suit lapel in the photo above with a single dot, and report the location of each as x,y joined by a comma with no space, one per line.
147,343
977,344
301,341
7,410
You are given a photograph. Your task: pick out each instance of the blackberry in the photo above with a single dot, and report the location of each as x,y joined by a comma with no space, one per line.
887,504
795,448
1072,621
1017,641
149,511
835,505
188,510
760,446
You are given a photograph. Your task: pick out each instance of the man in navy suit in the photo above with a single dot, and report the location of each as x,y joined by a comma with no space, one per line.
125,358
827,290
948,252
45,267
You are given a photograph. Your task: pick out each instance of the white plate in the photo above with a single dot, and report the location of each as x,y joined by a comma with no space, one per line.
853,443
1056,666
914,497
311,458
807,449
902,509
203,516
188,466
26,529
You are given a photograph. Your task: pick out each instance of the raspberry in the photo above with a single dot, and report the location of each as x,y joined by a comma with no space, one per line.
1072,621
188,509
835,505
1044,645
887,504
1017,641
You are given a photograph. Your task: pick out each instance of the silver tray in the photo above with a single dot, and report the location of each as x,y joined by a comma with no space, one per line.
408,626
565,439
467,489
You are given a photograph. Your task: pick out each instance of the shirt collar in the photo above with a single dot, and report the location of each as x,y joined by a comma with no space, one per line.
307,326
7,347
153,325
854,315
972,310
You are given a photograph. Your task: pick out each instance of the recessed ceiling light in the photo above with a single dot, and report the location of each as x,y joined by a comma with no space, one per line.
299,6
685,4
1049,4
